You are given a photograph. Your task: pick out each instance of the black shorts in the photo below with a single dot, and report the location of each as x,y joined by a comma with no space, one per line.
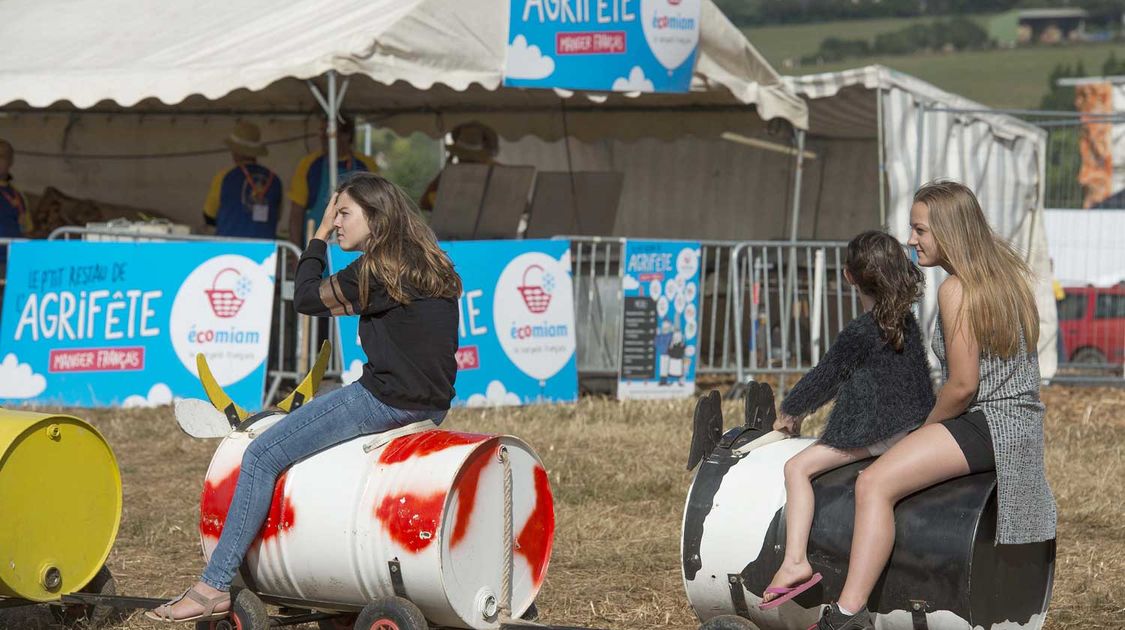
970,430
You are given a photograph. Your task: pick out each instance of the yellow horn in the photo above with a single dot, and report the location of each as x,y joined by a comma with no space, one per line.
307,389
216,395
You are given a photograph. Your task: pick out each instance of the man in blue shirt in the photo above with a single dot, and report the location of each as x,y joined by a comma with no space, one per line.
245,199
15,218
308,191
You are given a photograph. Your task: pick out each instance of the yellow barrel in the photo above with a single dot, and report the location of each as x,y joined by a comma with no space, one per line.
60,504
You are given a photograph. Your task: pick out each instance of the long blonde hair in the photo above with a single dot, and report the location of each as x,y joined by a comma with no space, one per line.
402,253
995,280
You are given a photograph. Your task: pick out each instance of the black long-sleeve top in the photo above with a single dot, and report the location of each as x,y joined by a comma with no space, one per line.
410,348
879,392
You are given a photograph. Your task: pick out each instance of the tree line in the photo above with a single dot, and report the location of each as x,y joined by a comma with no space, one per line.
955,34
747,13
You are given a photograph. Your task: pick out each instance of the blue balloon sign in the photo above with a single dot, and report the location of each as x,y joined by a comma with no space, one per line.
603,45
660,326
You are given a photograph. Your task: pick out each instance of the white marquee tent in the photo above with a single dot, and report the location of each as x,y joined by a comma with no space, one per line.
132,77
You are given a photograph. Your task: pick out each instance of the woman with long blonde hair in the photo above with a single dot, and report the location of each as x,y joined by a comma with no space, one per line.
404,289
987,416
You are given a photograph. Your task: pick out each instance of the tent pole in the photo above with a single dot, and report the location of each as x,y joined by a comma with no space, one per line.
920,142
330,130
796,214
882,158
789,305
570,170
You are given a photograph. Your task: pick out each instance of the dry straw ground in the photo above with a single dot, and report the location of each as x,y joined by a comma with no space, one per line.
619,482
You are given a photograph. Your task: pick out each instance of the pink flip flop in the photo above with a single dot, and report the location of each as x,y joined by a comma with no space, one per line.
788,593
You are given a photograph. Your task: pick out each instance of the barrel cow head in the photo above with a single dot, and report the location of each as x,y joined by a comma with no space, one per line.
221,416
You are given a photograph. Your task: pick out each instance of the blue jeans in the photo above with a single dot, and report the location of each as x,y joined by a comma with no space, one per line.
325,421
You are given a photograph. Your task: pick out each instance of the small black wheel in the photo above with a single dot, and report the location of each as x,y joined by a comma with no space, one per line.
343,622
728,622
247,612
89,615
1088,356
391,613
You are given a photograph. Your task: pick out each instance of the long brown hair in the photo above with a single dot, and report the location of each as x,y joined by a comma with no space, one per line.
995,280
402,253
879,267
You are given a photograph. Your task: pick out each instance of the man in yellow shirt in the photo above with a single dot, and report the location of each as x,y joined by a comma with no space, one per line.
308,192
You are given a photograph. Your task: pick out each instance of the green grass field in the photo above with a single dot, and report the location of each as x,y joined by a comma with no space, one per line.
1009,78
779,43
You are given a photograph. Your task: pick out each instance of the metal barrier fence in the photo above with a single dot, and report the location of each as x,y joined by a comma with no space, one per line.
294,338
747,326
790,301
766,307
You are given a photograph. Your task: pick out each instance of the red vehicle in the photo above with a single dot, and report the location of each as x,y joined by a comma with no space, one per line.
1092,325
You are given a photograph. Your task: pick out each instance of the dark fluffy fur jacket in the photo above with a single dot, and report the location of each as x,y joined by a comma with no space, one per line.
879,392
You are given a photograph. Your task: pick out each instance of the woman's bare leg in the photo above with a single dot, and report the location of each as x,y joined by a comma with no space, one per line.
799,505
927,456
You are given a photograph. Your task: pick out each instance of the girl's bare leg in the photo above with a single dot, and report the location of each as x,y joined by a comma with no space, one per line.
927,456
799,504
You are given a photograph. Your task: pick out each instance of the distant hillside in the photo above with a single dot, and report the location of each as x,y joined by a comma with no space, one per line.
1008,78
791,42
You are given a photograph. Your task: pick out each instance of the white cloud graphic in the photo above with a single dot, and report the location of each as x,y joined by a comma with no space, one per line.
352,374
18,380
496,395
158,394
635,82
527,62
629,283
269,265
564,260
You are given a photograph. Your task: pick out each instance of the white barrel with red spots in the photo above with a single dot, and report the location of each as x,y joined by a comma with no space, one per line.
428,506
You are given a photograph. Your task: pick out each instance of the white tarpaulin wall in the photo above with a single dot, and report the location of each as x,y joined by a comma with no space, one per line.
1086,246
1001,158
171,77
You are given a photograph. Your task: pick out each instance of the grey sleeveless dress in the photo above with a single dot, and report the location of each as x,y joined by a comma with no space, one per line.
1008,395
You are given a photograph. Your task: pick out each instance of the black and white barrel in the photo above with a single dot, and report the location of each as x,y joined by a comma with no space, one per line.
945,571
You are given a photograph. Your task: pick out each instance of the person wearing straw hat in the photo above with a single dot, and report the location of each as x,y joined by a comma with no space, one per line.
15,219
310,188
245,198
469,143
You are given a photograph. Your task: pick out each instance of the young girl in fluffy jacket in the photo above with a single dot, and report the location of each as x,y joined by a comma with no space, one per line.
878,374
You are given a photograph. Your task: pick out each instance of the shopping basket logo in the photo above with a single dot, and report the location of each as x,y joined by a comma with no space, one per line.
536,289
227,300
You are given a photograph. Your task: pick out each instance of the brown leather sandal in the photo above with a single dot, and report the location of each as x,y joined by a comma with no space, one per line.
163,611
